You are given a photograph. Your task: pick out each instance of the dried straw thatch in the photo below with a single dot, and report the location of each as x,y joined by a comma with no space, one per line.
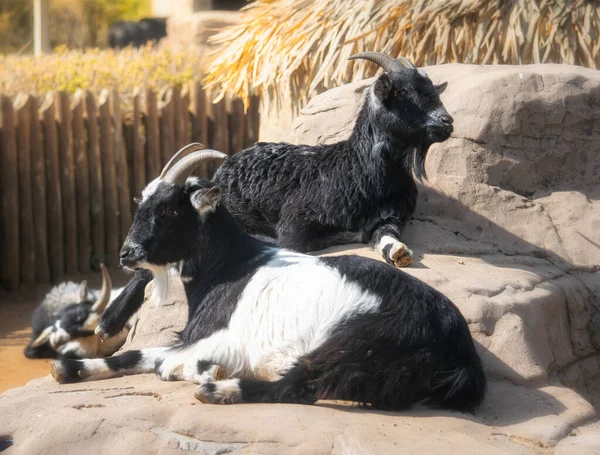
299,47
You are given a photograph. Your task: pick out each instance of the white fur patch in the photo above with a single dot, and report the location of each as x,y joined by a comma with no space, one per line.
385,241
398,253
287,310
162,281
150,189
59,336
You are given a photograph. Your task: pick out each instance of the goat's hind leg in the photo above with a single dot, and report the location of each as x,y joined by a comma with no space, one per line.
129,363
295,386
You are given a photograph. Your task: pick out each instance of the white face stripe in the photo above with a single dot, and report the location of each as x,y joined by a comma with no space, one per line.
150,189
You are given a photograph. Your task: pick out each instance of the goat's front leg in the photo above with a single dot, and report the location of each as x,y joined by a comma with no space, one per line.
128,363
386,240
124,306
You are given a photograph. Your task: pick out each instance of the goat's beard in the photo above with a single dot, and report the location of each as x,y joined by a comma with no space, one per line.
162,283
415,161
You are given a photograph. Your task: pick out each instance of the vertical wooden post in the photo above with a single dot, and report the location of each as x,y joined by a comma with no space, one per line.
167,133
10,198
237,126
54,203
253,121
199,121
139,154
95,179
152,128
183,117
27,240
111,211
124,194
82,184
41,40
218,131
38,195
67,180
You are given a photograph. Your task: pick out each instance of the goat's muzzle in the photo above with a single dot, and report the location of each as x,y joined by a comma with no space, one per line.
130,255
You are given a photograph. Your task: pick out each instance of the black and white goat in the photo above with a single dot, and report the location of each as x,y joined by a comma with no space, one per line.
64,323
270,325
359,190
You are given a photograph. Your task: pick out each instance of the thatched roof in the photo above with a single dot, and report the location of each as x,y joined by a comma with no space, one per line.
299,47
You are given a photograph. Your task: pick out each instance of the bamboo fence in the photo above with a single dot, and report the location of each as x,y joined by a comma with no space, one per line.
71,165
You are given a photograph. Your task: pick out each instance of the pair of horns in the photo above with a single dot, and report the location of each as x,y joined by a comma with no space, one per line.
185,161
389,64
98,307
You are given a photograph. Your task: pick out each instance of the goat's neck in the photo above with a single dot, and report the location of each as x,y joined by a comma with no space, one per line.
218,254
379,149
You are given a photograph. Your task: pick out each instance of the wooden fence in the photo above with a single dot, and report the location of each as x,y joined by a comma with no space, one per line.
71,165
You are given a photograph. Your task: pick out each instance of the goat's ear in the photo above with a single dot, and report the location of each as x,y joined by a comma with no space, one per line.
206,200
382,87
440,87
83,291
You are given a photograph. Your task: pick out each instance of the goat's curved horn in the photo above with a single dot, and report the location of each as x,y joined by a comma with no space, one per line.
388,63
406,63
184,151
42,338
104,296
180,172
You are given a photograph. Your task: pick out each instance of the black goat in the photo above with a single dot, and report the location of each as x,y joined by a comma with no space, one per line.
359,190
63,324
280,326
136,34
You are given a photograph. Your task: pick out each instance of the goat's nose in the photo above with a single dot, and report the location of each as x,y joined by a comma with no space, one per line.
446,119
126,250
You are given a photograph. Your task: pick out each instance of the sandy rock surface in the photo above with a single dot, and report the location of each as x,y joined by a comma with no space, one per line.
508,226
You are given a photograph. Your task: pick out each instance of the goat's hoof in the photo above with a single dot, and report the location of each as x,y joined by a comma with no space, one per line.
400,255
56,372
68,370
221,392
99,330
174,374
220,373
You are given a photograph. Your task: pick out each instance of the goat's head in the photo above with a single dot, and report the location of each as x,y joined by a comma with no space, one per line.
406,103
72,321
171,212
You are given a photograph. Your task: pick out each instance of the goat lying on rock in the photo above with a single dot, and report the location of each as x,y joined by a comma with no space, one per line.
63,324
311,197
359,190
270,325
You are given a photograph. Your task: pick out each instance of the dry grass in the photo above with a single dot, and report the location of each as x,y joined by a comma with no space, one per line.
299,47
95,70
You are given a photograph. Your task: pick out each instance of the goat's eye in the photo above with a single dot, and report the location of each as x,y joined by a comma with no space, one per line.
169,213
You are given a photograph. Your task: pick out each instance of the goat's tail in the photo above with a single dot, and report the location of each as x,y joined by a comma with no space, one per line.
130,362
462,389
